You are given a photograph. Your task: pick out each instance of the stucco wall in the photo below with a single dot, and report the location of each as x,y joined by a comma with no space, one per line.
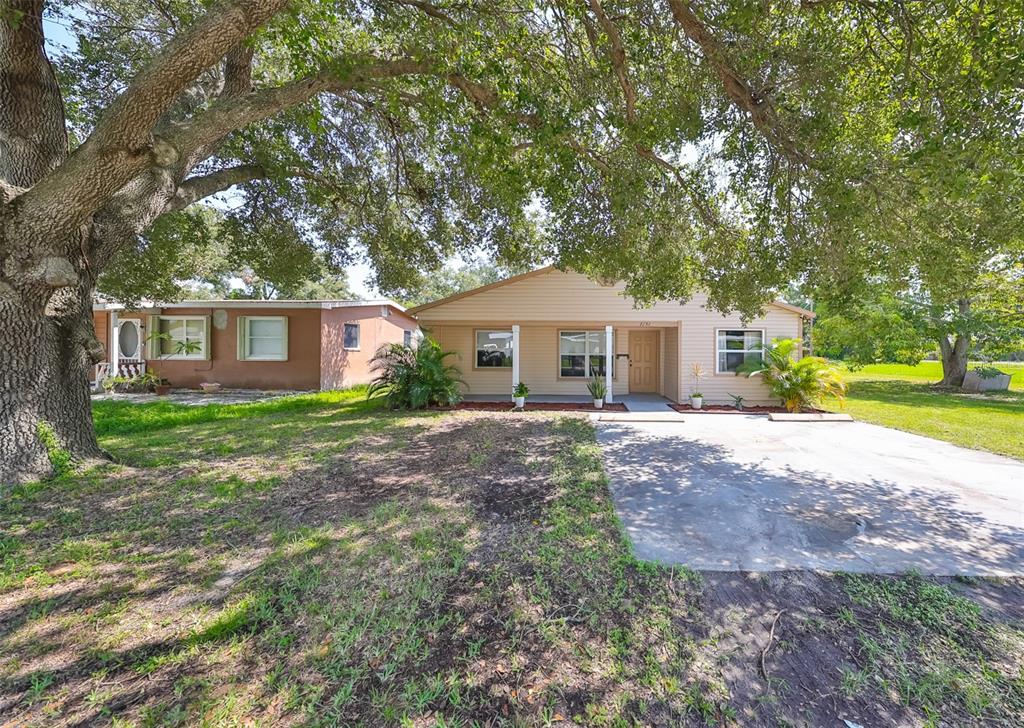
344,368
300,371
552,300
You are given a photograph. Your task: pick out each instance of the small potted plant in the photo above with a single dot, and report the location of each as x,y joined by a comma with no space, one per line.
150,381
598,390
210,387
519,394
696,397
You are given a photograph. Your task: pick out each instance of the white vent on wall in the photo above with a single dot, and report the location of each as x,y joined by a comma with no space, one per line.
385,311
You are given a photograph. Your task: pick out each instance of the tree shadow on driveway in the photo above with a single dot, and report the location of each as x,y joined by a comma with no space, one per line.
688,501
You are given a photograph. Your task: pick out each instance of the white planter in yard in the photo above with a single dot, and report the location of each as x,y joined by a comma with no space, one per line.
598,403
520,402
696,402
974,382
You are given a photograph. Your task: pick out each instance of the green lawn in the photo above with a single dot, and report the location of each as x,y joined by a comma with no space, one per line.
318,561
904,397
929,371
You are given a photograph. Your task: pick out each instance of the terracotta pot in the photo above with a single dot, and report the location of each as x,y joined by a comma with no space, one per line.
162,390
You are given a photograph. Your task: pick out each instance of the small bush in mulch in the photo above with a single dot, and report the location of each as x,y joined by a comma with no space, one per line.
538,407
725,409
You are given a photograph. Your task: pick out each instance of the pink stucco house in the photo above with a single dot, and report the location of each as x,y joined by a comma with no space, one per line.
246,344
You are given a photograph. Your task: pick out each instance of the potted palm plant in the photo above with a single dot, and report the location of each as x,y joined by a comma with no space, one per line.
598,390
519,394
696,397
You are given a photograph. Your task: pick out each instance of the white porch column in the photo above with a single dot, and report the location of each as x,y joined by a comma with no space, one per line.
515,355
609,359
115,348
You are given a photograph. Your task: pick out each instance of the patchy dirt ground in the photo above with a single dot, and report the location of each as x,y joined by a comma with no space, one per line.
327,563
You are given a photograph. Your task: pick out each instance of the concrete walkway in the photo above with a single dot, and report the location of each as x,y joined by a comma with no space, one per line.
743,493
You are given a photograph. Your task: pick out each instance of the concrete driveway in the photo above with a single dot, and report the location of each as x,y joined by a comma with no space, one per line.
732,492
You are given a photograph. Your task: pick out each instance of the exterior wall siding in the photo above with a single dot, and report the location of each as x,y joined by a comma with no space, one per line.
544,303
340,367
539,360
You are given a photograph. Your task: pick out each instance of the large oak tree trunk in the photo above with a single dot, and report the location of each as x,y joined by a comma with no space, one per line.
954,361
954,353
45,365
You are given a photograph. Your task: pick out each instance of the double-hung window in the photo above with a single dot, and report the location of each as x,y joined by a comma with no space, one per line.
262,338
738,346
581,354
181,337
493,349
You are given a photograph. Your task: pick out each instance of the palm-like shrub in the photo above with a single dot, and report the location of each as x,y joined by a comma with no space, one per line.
799,383
413,378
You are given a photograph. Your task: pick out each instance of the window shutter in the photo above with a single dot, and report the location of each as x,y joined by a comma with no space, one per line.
284,338
152,344
207,344
240,337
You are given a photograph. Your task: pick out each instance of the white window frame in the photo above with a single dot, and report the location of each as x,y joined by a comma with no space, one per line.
407,338
477,350
199,355
243,348
718,352
603,335
359,336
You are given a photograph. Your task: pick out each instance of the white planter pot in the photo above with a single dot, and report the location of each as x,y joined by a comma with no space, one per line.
696,402
598,403
520,402
974,383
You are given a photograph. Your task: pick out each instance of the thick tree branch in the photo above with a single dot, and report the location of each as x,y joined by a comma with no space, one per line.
121,145
238,70
34,140
618,58
197,188
757,105
229,114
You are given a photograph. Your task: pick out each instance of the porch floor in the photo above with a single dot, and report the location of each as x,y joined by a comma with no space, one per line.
634,402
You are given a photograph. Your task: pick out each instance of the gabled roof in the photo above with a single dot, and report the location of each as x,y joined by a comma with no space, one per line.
414,311
473,291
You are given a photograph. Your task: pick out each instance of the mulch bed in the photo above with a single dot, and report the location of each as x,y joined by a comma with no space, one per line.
538,407
724,409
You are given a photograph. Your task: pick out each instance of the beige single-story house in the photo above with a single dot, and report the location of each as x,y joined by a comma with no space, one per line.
249,344
553,330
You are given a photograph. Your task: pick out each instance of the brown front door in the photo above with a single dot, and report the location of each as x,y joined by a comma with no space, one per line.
643,361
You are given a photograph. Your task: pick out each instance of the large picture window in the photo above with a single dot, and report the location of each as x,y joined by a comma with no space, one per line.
581,354
182,337
263,338
736,346
493,349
